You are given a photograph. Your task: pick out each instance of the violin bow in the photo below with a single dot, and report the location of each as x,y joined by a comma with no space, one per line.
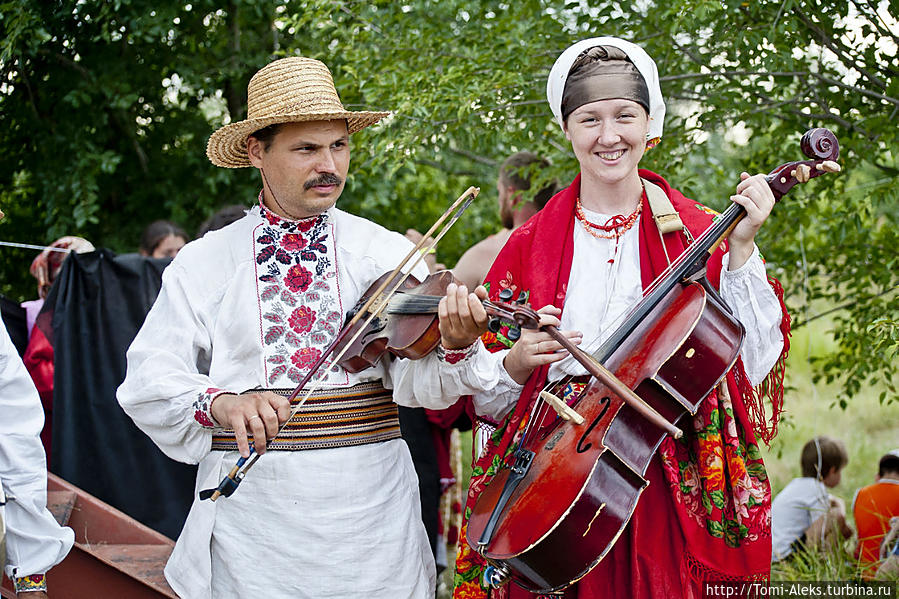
31,246
235,476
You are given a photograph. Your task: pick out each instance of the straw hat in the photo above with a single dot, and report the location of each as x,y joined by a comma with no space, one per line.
289,90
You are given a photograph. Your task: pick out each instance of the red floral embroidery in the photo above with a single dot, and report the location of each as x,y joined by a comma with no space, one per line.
302,319
273,334
201,417
277,372
34,582
507,283
306,357
297,278
299,307
293,242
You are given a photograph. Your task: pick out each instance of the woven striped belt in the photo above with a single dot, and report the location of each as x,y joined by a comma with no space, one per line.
358,415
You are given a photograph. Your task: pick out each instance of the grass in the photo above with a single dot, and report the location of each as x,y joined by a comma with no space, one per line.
868,429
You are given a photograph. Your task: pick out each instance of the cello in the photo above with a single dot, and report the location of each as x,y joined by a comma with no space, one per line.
570,488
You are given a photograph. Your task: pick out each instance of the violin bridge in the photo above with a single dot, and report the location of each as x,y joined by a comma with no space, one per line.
564,411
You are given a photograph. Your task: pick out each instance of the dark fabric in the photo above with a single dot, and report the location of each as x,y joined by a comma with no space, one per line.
611,76
91,315
16,325
416,430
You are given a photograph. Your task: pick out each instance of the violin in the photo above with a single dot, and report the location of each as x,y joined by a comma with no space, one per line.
408,325
548,517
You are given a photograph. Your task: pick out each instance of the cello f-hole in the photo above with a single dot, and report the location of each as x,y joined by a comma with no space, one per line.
581,446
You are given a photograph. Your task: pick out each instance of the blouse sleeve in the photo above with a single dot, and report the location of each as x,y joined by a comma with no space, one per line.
35,541
435,382
749,294
167,390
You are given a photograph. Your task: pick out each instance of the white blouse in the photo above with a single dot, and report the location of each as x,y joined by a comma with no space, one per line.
252,306
35,542
610,290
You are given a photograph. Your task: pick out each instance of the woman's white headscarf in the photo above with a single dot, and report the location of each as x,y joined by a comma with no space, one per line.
558,75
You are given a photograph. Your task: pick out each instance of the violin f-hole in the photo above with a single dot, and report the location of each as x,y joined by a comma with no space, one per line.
581,445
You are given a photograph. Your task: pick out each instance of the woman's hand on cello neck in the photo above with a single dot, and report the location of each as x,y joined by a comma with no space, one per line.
754,194
536,347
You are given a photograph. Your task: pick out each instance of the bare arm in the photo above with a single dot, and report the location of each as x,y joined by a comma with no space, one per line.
473,265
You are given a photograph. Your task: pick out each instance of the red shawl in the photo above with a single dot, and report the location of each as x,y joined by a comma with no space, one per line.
706,513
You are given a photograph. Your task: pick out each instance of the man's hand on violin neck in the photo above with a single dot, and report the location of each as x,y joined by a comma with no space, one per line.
462,316
754,194
536,347
259,415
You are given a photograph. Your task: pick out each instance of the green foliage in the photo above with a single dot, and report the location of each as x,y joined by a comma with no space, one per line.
106,108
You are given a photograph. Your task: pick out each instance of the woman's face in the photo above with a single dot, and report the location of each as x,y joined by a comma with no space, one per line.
168,247
608,138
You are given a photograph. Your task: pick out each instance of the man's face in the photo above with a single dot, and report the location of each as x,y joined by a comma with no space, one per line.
305,167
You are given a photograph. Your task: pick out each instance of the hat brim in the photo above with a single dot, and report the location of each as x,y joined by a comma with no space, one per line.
227,147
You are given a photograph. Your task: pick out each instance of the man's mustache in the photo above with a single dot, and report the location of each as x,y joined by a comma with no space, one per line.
325,179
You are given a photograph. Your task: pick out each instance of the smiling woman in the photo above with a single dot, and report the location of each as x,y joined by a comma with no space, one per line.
608,138
587,258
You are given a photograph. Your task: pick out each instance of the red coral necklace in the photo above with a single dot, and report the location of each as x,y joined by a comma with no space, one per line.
614,228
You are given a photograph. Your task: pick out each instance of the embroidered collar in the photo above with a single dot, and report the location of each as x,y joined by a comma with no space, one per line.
302,225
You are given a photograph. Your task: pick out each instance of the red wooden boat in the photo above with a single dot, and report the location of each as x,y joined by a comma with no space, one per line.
114,555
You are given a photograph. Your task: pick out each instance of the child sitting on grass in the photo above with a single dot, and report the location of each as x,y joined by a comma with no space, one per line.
805,514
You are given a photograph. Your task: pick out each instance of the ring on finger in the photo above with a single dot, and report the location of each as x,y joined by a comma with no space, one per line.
253,417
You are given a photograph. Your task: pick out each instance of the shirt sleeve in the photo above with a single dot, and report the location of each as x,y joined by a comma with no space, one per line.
749,294
436,383
167,390
35,541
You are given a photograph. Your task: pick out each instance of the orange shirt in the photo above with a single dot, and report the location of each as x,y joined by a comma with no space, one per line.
873,507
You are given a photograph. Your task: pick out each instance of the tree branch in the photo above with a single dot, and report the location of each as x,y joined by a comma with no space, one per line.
876,21
472,156
118,116
232,91
840,52
802,323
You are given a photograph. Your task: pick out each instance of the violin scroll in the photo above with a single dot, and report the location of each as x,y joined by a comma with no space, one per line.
822,147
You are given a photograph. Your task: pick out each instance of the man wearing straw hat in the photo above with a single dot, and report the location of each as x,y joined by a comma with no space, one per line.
333,509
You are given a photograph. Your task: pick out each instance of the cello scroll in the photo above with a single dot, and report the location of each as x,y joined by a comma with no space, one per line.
818,144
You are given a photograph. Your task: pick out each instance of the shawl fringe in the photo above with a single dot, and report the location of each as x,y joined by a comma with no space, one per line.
770,390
